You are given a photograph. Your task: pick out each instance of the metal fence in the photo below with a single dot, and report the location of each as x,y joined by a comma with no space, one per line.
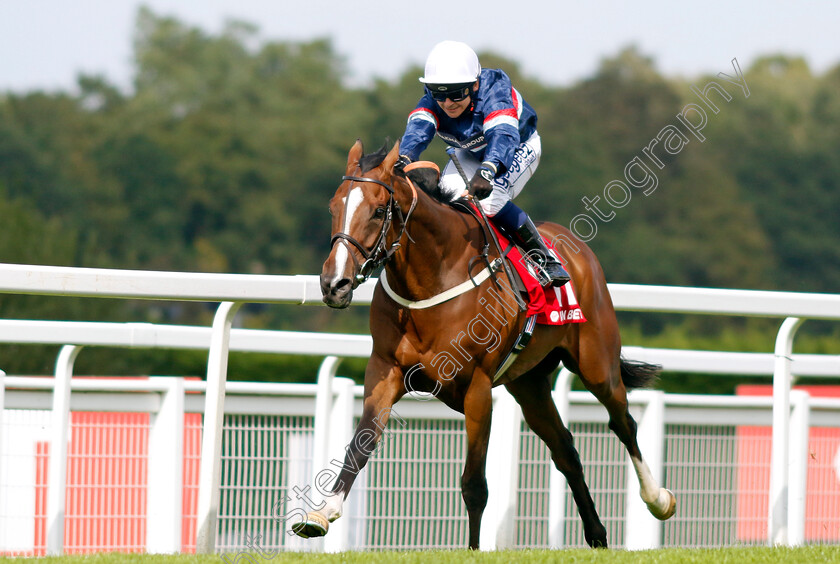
716,459
784,518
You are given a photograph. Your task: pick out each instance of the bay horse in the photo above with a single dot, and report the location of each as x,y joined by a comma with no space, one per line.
427,248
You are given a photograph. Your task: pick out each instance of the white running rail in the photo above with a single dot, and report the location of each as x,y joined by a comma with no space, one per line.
233,290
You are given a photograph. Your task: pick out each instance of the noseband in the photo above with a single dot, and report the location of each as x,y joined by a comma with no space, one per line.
381,251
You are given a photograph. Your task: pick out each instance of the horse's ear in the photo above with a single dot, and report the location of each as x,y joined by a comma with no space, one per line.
355,154
391,158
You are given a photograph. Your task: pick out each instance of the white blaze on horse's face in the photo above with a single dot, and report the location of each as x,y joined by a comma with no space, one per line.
351,205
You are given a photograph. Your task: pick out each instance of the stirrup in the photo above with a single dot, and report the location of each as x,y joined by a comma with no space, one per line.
528,238
556,273
547,270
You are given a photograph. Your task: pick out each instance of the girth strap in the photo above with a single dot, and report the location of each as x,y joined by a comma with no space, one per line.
518,346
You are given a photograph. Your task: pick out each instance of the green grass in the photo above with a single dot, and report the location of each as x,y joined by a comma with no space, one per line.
809,554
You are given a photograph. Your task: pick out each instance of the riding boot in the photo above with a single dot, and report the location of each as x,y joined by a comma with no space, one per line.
527,238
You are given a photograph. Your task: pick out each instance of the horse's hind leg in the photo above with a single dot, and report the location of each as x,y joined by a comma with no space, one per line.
532,392
602,375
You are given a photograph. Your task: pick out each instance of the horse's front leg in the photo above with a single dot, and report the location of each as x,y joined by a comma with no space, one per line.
383,387
478,408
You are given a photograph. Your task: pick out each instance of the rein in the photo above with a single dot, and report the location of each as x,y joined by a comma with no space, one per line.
485,223
380,252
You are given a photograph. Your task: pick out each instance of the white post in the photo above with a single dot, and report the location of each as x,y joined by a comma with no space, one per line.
2,407
210,466
341,434
643,530
777,512
323,407
799,435
498,524
57,465
556,479
166,462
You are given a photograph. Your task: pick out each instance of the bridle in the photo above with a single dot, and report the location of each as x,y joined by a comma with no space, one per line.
381,251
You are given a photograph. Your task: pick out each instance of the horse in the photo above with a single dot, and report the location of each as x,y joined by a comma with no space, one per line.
426,249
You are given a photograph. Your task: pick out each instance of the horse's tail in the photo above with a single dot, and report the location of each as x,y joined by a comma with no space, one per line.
637,374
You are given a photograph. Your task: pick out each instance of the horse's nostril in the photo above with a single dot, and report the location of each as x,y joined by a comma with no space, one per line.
338,294
341,284
329,284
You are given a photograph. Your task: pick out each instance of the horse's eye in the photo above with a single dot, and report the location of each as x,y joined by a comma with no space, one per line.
379,212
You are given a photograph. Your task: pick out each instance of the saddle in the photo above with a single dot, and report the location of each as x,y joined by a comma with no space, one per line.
550,305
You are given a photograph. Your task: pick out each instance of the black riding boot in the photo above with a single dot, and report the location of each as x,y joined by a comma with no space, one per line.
529,240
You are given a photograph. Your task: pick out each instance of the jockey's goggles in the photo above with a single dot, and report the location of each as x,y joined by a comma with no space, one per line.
454,92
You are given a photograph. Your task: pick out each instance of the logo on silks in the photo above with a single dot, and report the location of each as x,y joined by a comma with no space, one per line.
473,144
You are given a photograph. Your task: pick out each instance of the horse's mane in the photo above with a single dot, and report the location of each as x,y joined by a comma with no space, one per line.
373,160
370,161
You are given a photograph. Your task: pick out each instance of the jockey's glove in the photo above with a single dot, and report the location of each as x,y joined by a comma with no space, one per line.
399,166
481,184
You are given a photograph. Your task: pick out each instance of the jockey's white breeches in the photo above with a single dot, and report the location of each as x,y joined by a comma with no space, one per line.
506,187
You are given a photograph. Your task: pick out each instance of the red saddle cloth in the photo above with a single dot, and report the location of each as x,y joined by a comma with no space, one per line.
552,306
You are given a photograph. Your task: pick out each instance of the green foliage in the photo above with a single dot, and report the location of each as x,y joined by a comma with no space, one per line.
223,157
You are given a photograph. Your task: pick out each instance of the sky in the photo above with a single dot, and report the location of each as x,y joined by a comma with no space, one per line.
45,44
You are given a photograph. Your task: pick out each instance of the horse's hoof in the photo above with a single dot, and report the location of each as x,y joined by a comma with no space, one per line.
596,538
315,525
664,509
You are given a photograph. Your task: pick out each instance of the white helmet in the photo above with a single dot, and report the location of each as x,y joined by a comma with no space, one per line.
451,62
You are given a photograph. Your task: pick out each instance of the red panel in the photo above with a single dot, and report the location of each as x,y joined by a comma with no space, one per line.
42,457
192,456
106,482
822,522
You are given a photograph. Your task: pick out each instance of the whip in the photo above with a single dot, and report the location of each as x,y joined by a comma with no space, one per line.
457,162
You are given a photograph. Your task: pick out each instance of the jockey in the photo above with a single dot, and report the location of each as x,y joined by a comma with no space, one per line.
494,133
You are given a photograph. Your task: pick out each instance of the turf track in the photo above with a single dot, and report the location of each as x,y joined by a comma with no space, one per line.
811,554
